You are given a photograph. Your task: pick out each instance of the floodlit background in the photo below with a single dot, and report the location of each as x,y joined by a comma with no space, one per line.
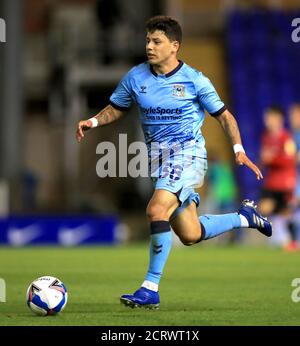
61,61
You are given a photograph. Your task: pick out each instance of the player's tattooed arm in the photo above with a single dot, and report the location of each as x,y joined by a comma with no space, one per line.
230,126
106,116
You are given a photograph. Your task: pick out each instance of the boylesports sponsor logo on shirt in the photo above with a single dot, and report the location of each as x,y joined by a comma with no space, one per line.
161,111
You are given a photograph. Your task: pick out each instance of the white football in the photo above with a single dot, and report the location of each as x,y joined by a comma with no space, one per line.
46,295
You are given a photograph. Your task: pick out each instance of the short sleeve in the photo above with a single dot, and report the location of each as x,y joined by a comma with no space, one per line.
121,98
208,96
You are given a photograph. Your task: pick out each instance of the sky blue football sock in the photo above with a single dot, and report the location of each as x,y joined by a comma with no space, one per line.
160,246
215,225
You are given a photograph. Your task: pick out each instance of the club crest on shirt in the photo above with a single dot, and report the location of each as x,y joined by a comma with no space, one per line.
178,90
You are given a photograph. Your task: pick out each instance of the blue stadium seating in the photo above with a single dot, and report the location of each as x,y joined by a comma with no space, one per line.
263,70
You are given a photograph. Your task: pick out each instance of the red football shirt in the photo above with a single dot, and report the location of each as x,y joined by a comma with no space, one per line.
278,156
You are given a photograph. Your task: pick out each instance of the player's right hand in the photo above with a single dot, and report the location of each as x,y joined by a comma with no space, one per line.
81,127
242,159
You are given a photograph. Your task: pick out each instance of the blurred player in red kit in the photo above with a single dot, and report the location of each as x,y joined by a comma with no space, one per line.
278,159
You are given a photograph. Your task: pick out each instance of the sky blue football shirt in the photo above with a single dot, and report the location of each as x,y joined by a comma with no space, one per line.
171,105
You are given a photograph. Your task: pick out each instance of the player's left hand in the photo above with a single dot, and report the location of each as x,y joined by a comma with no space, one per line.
242,159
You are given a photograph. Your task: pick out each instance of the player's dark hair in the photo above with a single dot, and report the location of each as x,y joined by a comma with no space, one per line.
168,25
294,106
275,109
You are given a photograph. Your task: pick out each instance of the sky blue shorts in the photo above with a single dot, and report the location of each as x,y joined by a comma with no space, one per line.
181,177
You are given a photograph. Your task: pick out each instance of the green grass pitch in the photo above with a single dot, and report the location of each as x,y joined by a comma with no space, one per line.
202,285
